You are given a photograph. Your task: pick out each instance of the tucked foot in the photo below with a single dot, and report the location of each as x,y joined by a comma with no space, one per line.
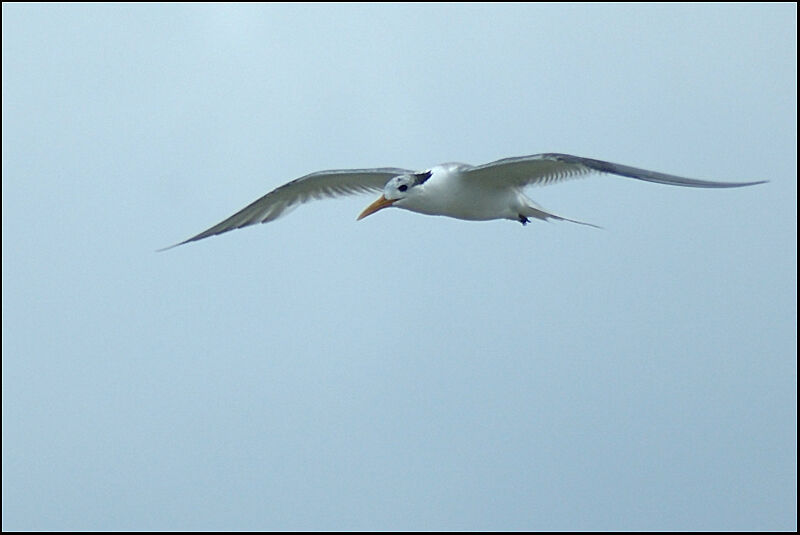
524,220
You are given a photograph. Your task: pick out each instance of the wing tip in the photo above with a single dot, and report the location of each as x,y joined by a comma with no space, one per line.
172,246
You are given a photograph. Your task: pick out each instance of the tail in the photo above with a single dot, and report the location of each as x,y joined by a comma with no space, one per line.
534,210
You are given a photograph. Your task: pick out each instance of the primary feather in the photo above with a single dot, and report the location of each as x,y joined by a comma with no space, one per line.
314,186
542,169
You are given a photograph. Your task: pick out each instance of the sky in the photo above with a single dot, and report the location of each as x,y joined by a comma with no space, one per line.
404,372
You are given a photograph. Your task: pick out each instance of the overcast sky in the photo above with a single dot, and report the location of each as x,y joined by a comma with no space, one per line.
404,371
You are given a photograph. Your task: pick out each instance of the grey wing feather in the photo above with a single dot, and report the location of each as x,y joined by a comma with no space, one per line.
319,185
540,169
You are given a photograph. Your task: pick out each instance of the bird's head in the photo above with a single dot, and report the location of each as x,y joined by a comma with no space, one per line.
397,191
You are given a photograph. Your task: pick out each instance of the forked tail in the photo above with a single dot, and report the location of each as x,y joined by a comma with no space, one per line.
536,211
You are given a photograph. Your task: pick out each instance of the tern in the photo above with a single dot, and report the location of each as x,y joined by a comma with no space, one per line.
475,193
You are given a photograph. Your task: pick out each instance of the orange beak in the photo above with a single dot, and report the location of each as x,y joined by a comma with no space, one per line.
382,202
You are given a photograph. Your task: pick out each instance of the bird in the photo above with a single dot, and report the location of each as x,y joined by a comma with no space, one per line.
475,193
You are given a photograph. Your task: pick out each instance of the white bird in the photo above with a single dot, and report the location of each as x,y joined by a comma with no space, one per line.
476,193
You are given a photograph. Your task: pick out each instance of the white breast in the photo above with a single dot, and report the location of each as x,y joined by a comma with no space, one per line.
449,193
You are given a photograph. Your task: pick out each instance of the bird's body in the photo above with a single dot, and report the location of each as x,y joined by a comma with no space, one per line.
476,193
446,193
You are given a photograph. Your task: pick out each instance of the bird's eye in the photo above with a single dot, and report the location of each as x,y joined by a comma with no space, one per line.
403,187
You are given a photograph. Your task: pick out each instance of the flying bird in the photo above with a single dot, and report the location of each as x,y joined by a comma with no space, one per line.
475,193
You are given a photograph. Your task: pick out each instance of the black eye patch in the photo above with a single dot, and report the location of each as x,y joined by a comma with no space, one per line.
403,187
420,178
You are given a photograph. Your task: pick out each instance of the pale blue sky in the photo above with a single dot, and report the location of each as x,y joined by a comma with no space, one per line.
401,372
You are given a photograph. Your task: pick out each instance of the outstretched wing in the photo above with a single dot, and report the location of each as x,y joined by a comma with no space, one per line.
540,169
319,185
